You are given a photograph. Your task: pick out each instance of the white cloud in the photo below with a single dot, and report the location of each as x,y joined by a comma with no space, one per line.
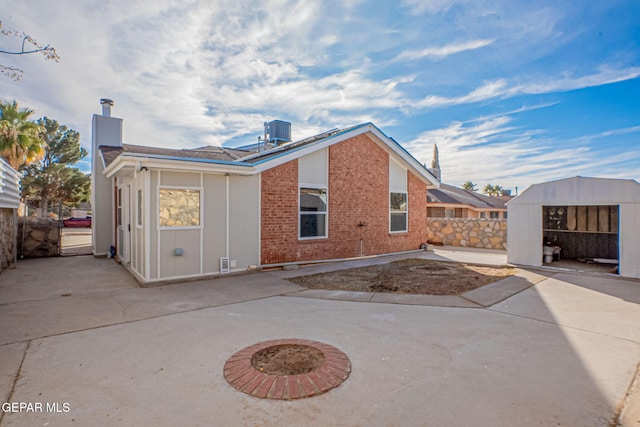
443,51
605,75
503,88
488,90
186,73
494,151
418,7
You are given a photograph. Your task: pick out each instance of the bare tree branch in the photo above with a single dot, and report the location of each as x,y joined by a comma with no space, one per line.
29,45
11,72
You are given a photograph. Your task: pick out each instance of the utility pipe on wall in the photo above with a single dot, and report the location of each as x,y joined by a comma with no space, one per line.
227,238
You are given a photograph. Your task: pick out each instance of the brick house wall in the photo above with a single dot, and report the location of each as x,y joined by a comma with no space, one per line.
358,193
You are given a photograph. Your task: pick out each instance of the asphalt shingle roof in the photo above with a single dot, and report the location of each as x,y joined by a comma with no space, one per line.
265,155
230,155
109,153
450,194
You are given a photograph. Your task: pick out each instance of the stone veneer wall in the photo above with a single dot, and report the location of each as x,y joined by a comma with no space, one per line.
7,238
41,237
468,232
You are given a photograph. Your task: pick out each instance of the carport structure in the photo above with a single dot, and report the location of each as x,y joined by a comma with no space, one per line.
595,218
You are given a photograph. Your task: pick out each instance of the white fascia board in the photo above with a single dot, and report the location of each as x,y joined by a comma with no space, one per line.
132,161
104,165
599,191
115,166
406,157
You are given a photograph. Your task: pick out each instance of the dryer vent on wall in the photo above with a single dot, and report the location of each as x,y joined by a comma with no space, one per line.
224,265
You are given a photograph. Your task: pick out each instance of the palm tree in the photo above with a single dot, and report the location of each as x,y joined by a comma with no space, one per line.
492,190
469,186
20,141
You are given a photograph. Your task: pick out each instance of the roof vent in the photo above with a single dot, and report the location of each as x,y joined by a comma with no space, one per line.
279,132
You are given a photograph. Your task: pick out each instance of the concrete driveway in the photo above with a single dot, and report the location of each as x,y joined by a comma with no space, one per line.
79,337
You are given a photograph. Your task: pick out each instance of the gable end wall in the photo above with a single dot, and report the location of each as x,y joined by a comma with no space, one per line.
358,192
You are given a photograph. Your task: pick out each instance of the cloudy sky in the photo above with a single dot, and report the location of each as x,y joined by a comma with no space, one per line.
513,92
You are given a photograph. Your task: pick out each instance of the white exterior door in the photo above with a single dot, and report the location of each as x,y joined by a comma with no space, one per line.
124,222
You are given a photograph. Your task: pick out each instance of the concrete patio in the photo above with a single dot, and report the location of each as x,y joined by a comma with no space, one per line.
548,347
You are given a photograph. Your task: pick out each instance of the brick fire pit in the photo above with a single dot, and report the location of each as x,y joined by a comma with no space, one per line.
331,368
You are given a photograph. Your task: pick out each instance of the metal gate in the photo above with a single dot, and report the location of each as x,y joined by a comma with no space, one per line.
72,241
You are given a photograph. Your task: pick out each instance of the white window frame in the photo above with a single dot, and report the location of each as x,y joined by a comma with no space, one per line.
181,227
405,212
139,208
119,197
325,212
398,184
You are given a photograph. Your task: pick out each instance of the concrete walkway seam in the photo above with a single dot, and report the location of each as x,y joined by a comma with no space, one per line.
16,378
562,325
625,399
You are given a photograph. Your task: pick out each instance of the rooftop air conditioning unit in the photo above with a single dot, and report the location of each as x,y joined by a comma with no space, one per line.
279,132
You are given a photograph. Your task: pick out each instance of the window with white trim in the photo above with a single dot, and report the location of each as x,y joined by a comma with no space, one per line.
398,205
139,221
313,182
398,198
119,211
313,212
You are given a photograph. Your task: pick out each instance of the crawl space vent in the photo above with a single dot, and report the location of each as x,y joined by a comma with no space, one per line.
224,265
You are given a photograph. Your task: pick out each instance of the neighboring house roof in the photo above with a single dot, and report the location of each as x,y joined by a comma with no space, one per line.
219,159
450,195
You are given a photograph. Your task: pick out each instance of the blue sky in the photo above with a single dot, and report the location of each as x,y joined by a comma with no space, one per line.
513,92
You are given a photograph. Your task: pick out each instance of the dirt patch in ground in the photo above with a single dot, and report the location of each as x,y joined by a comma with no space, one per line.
410,276
287,359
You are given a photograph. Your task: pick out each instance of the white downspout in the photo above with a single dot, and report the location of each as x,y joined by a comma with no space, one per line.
227,243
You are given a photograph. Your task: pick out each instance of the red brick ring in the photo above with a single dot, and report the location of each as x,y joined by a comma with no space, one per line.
240,373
